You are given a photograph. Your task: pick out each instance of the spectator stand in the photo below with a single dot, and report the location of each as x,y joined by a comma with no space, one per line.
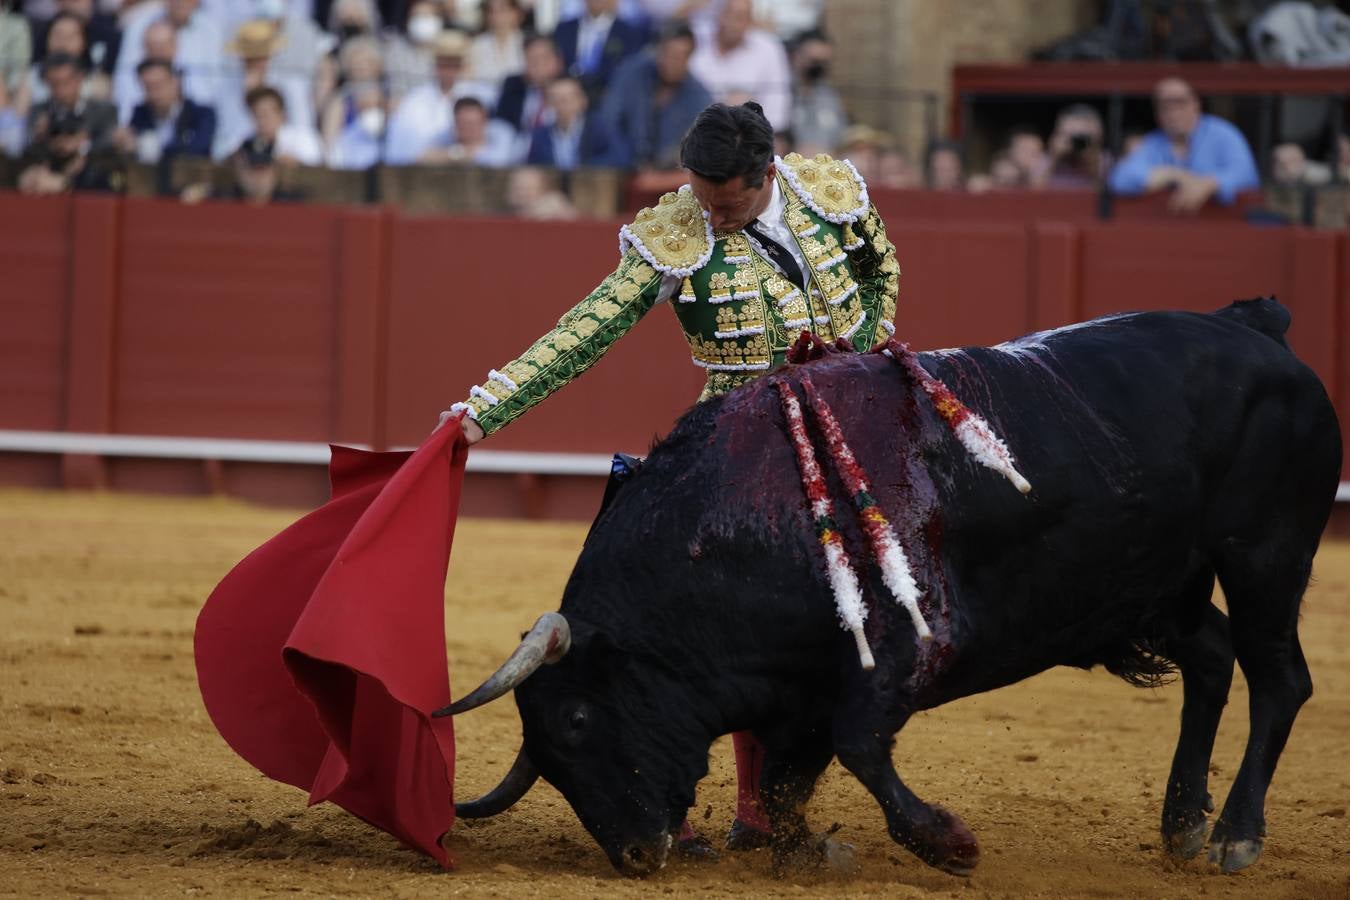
1123,89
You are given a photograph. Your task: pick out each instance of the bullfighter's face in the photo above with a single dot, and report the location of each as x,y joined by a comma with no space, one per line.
732,204
611,734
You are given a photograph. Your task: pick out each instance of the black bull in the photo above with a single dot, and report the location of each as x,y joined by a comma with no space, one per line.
1165,450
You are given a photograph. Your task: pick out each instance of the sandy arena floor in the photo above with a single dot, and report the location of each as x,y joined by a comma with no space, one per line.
114,782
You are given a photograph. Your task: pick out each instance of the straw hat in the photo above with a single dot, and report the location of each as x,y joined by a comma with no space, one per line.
256,39
450,43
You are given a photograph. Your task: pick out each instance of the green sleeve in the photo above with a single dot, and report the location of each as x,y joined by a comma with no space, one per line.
877,271
580,338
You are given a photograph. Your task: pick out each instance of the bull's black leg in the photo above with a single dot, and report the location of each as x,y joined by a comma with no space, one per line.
793,761
1264,586
862,741
1205,658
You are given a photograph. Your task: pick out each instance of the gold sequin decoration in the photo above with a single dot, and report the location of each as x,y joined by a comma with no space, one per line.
673,232
832,186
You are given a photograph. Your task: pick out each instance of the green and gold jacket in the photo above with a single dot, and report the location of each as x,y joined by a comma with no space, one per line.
738,313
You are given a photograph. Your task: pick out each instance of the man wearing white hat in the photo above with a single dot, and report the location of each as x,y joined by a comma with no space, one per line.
425,117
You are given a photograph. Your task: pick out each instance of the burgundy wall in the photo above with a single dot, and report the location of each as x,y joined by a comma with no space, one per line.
359,325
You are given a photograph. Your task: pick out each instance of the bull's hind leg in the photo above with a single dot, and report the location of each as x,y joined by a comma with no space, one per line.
862,741
1264,586
1205,657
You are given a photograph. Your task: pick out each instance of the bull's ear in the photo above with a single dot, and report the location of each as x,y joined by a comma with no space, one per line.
601,653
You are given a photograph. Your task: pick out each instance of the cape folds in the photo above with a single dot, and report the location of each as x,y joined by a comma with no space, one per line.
321,655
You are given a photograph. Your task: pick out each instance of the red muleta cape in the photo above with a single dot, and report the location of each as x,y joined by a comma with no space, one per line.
322,654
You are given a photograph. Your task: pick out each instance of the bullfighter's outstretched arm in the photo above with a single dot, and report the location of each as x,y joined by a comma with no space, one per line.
579,339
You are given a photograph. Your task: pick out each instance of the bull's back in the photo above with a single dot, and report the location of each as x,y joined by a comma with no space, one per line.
1150,439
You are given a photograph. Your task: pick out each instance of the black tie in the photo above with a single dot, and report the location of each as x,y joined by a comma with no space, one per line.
781,257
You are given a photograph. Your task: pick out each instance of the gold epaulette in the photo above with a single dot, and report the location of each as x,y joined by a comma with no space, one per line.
831,187
674,236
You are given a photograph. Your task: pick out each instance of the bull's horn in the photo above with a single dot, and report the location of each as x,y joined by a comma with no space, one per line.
515,785
546,642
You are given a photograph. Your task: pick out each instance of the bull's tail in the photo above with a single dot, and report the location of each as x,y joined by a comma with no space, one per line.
1264,314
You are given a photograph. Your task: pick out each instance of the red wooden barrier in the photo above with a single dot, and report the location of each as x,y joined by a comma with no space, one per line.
360,325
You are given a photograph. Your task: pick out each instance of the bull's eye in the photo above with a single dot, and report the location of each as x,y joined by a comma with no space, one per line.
575,723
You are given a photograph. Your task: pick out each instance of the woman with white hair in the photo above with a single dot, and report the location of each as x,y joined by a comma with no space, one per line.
360,62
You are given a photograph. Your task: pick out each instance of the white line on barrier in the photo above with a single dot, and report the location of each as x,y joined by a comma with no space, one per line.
307,453
298,452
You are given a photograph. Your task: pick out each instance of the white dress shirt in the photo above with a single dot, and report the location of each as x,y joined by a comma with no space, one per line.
593,30
756,69
772,223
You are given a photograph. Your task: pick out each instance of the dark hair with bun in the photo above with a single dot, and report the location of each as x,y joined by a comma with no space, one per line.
726,142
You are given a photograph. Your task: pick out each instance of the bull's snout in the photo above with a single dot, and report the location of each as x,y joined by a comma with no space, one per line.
639,860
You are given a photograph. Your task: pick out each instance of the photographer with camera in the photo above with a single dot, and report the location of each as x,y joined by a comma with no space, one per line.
61,159
1078,158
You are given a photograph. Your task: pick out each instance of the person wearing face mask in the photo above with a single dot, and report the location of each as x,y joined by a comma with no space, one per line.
359,63
408,57
818,117
360,144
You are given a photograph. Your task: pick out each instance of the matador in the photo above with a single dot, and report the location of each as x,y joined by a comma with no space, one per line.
755,250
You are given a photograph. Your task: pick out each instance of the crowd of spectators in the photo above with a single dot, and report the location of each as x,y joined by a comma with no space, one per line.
349,84
1195,156
261,85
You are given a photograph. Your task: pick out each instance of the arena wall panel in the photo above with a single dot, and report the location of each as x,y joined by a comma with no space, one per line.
467,295
35,275
358,325
1128,266
962,283
228,321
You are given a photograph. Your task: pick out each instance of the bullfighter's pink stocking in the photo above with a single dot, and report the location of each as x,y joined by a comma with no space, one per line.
749,768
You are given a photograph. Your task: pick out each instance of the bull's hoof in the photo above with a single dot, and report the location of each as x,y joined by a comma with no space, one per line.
837,856
1234,856
1187,843
816,853
945,843
746,837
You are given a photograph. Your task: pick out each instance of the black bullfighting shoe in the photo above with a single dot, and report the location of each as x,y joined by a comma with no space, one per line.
697,848
745,837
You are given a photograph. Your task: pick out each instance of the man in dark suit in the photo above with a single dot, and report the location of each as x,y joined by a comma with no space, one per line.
166,124
64,75
521,103
593,45
574,138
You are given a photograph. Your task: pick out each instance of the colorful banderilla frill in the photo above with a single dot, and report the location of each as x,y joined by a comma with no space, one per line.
847,594
970,429
890,556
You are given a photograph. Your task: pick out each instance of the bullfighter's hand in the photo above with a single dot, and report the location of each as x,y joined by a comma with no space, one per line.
473,432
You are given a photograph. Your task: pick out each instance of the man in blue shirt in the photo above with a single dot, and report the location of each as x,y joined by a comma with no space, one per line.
652,102
1197,156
